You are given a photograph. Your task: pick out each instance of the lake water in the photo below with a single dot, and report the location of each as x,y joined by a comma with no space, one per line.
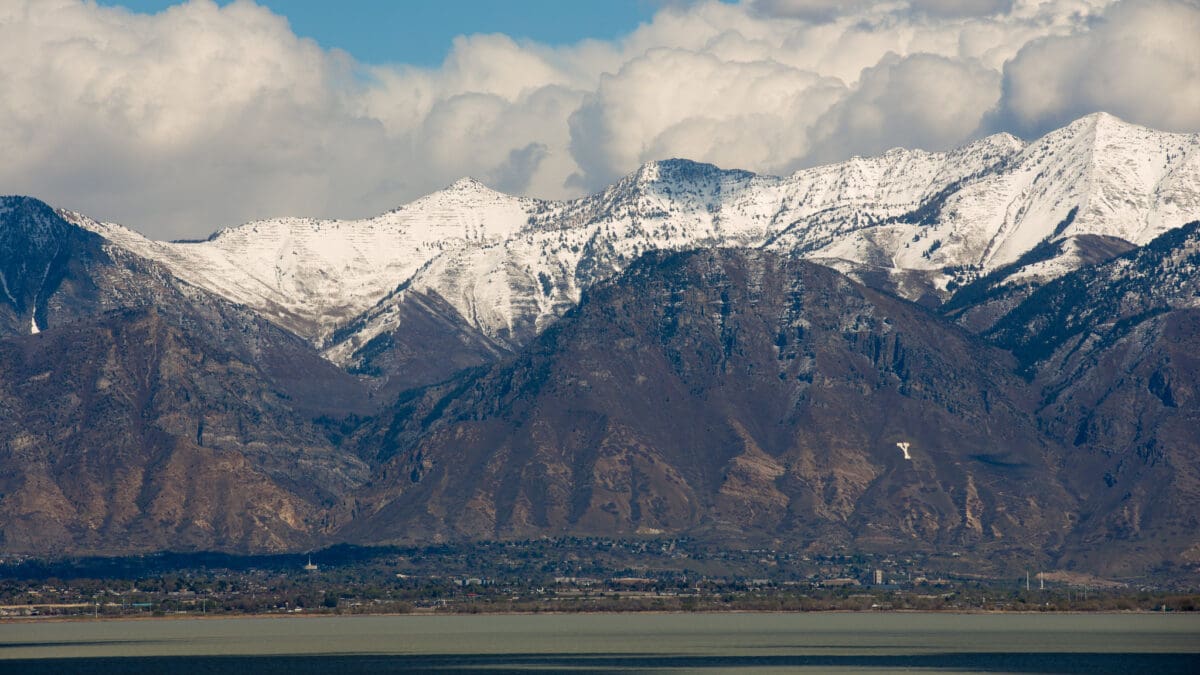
818,642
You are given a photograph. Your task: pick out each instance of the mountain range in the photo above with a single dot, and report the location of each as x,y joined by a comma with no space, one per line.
691,351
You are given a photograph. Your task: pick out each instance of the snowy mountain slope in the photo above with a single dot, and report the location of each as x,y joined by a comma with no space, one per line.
1162,276
511,291
1121,181
979,304
53,273
931,222
919,223
311,275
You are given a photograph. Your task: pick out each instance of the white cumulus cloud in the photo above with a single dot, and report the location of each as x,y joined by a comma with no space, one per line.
1139,61
647,111
203,116
933,102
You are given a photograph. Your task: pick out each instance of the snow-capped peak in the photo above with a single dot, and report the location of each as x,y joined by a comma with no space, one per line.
462,192
27,222
468,184
511,264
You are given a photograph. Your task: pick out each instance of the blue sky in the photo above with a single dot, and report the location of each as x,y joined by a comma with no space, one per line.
420,32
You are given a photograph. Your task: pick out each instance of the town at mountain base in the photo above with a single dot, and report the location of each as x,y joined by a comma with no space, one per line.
741,359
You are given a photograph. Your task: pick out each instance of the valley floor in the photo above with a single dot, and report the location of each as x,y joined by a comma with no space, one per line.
554,576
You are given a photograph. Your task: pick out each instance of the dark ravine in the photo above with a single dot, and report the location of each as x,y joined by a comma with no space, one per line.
732,395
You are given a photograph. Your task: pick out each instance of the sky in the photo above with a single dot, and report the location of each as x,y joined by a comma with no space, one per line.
421,32
178,118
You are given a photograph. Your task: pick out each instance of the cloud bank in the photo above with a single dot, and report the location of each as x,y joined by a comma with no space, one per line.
203,116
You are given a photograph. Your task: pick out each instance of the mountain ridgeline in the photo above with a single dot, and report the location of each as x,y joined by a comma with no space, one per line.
692,351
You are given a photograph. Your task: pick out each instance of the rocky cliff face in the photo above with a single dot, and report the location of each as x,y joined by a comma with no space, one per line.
738,395
1112,350
147,414
52,272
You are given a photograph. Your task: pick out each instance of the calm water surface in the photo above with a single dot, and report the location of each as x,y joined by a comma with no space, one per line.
992,643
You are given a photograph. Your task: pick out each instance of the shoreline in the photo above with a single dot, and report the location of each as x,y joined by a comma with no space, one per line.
334,615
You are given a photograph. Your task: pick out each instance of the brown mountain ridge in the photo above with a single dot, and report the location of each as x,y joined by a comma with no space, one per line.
737,396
